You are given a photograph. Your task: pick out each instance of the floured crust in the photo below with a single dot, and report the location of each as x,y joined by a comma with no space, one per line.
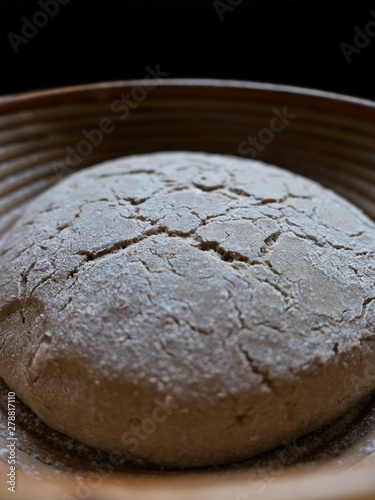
187,308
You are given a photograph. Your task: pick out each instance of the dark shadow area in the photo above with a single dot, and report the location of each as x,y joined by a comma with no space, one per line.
290,42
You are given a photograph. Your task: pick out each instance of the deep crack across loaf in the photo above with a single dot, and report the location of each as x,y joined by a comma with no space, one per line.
187,308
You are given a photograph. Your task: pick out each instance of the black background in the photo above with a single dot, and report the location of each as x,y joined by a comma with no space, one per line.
289,42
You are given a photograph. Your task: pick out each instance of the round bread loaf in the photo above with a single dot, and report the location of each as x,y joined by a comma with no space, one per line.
188,308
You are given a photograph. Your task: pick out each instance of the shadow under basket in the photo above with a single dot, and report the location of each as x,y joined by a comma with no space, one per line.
46,135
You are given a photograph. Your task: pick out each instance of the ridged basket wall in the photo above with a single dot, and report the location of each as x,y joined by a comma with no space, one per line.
330,138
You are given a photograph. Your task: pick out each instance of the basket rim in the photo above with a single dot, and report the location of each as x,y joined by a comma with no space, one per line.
13,101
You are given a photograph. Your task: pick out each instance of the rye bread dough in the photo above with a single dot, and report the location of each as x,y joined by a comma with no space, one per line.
188,308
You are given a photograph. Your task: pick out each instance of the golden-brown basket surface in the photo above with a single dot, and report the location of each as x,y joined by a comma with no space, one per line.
330,138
